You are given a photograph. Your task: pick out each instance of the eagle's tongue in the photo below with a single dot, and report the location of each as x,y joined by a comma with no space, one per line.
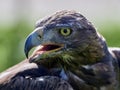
38,51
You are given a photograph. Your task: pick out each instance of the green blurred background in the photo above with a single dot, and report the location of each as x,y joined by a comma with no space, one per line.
18,18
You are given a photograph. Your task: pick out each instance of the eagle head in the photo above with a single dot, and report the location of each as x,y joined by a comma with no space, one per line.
65,39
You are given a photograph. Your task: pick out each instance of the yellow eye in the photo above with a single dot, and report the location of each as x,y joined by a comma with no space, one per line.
65,31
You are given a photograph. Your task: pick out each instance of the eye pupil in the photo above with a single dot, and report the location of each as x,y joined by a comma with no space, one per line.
65,31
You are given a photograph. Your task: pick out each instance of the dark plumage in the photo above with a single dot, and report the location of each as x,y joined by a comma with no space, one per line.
29,76
70,53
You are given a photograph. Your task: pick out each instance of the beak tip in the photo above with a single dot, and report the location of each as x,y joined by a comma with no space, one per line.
27,56
26,53
27,47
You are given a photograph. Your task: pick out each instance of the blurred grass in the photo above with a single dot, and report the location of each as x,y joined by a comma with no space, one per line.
12,44
12,41
111,32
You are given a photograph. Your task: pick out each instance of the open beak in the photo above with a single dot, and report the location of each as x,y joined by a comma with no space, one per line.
46,48
33,40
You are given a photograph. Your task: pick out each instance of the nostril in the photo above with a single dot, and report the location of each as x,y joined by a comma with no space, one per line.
39,36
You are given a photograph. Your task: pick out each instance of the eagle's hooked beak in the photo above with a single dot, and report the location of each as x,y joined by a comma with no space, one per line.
32,40
44,43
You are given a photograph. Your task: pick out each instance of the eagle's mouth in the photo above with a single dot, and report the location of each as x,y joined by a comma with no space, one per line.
47,48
